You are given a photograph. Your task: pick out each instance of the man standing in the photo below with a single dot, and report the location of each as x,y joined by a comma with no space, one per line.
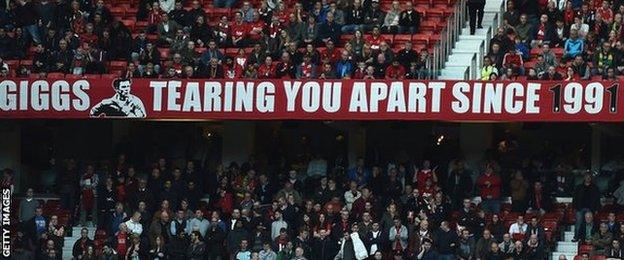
475,11
489,185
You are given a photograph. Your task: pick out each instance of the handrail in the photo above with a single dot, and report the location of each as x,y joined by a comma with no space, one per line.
448,37
467,74
473,65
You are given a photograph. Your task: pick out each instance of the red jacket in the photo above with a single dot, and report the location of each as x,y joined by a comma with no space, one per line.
266,72
395,72
492,189
239,30
333,55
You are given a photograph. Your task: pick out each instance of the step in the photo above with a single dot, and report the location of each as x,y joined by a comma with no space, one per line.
453,72
466,31
459,59
569,256
568,236
468,45
472,37
571,247
488,20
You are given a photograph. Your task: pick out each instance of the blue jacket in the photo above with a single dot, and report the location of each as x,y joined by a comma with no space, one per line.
344,67
573,46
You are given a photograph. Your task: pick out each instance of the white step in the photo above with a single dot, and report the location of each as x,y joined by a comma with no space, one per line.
468,46
555,255
459,59
473,37
466,31
570,247
453,72
568,236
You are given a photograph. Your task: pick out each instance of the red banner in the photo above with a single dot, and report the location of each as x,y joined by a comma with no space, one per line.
311,100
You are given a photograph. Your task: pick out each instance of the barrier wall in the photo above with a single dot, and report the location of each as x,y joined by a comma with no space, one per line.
311,100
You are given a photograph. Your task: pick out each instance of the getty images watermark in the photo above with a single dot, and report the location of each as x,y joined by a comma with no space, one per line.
6,222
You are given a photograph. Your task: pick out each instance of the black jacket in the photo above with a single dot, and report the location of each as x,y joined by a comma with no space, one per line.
586,196
446,241
409,19
324,249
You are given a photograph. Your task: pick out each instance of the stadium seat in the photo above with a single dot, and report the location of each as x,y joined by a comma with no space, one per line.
73,76
164,53
113,75
56,75
91,76
117,65
585,249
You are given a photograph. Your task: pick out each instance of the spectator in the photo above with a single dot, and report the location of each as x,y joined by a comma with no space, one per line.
167,30
586,199
397,235
614,250
374,17
391,21
511,17
475,12
518,228
351,246
581,28
573,46
27,206
538,202
447,241
489,184
506,246
543,32
354,18
551,74
465,246
519,187
586,229
534,248
482,247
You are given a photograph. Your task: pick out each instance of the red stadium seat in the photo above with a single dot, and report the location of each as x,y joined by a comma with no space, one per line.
420,38
129,24
585,249
27,63
118,12
111,75
73,76
518,237
56,75
92,76
117,65
13,64
402,38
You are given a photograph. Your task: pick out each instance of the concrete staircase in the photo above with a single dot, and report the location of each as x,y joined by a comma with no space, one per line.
467,55
566,247
71,240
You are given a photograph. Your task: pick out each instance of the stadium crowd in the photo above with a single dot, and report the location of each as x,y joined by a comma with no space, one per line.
313,209
557,40
184,39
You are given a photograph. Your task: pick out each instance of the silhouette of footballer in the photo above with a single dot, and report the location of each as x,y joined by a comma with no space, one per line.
122,104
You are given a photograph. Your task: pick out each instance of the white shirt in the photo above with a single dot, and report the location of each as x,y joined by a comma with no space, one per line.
373,247
134,227
518,229
167,5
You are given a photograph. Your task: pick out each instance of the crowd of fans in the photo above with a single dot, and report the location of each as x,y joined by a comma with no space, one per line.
184,39
571,40
400,210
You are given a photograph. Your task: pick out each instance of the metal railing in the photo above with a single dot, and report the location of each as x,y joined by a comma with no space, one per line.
448,36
